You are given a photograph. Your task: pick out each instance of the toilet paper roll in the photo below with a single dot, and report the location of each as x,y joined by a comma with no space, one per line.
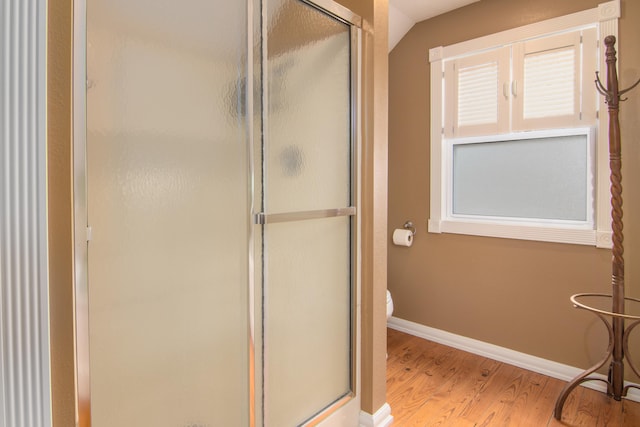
402,237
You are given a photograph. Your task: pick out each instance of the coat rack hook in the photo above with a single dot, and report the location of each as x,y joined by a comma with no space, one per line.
600,87
630,87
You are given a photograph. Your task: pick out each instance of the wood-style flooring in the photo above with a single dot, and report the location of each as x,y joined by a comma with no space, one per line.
429,384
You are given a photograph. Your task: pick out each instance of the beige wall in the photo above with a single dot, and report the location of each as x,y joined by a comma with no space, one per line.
60,210
374,181
510,293
373,211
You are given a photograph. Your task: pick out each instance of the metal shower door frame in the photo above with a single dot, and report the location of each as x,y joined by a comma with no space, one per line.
329,416
256,10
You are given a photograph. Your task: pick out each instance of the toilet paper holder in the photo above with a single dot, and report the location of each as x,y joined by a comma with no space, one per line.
409,226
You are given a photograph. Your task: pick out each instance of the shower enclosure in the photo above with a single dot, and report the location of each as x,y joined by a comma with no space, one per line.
216,227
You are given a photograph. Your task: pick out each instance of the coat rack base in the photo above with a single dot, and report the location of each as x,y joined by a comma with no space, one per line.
617,349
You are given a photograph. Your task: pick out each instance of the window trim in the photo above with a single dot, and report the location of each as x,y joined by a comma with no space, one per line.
605,16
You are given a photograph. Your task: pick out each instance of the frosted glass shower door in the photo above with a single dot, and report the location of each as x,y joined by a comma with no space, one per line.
308,213
168,208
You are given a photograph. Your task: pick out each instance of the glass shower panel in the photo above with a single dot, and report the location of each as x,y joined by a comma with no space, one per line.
168,206
307,167
308,318
308,110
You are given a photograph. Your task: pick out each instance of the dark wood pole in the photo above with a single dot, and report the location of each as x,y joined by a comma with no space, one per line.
615,164
618,337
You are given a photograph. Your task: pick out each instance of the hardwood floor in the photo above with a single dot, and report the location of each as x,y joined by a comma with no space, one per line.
429,384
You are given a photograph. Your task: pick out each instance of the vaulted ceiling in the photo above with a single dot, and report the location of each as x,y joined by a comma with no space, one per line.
403,14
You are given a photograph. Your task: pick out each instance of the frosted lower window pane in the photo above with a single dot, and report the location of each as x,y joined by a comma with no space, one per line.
308,126
544,178
167,192
307,318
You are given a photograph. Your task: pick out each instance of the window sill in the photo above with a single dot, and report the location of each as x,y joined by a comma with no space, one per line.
506,230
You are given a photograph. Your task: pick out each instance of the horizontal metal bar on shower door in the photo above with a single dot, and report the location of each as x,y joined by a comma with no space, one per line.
263,218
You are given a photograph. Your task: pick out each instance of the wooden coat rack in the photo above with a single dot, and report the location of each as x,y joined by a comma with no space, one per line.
618,335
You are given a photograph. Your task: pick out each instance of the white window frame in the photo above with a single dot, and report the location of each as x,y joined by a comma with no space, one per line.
452,127
605,17
584,106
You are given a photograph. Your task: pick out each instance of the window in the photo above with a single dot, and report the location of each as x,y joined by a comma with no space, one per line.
553,81
531,85
515,131
541,176
474,102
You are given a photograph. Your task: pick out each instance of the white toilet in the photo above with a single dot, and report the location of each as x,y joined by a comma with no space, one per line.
389,305
389,309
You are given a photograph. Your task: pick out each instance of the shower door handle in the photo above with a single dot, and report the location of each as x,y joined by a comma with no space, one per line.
263,218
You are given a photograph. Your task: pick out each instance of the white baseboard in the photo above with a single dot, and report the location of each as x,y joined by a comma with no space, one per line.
382,417
502,354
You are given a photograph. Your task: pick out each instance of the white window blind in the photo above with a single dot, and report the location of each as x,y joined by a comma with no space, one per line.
549,88
553,81
477,94
474,100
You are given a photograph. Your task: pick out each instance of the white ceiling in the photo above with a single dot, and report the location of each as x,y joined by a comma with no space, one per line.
403,14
